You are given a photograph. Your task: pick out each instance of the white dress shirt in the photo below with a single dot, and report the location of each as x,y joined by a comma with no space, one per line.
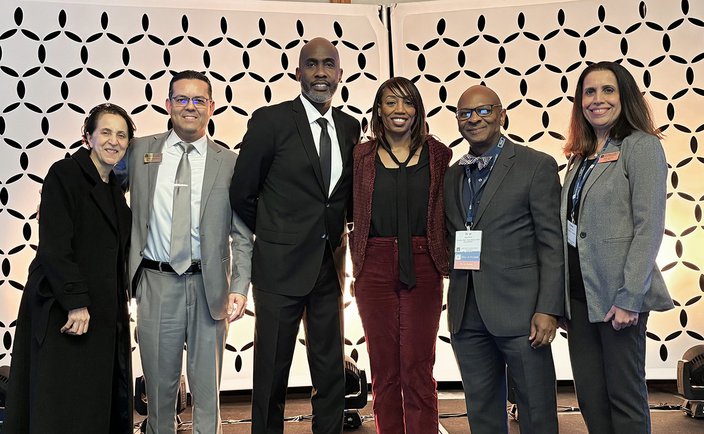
159,237
315,129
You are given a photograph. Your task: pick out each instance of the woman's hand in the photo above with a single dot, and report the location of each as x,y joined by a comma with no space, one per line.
77,323
621,318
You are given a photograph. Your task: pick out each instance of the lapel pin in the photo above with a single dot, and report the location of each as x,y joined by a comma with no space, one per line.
609,156
152,157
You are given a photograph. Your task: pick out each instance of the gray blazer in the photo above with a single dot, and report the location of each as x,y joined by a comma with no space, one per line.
521,260
621,225
225,241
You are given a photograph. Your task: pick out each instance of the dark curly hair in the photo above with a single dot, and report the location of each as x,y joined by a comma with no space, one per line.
91,121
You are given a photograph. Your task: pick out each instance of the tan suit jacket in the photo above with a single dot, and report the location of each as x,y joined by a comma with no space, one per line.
225,241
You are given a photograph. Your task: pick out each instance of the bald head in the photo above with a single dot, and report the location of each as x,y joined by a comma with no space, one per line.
316,44
319,72
481,92
482,132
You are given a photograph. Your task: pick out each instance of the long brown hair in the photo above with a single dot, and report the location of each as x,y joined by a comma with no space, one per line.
402,88
635,112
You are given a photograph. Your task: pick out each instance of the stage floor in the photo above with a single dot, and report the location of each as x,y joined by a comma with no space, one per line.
666,418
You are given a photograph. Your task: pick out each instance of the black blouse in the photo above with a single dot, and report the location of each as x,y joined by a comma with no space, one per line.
400,207
384,220
576,280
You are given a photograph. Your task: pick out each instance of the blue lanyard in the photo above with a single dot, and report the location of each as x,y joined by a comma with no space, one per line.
582,176
472,193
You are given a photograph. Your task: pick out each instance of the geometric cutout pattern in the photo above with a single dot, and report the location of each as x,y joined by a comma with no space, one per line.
59,60
532,56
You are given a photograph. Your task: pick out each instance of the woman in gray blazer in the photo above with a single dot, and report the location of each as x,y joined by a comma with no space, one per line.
613,218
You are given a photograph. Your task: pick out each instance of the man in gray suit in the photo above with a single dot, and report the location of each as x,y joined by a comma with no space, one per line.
506,280
190,256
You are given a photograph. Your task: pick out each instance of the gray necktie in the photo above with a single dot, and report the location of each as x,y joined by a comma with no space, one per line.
181,216
325,153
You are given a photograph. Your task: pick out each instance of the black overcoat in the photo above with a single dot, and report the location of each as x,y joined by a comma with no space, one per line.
74,384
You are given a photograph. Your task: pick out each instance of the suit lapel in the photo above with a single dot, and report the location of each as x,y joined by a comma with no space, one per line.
105,204
303,126
572,167
459,182
155,147
212,166
599,169
97,193
344,151
123,215
498,173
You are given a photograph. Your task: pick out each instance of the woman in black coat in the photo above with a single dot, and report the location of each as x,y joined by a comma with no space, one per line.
71,370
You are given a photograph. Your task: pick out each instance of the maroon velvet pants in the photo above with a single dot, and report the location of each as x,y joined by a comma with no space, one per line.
401,328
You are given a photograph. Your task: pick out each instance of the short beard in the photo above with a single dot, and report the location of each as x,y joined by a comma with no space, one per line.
318,97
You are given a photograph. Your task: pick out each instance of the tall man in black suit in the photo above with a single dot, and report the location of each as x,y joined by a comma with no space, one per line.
291,186
507,271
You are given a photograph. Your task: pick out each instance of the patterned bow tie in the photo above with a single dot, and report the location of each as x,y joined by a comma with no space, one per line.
469,159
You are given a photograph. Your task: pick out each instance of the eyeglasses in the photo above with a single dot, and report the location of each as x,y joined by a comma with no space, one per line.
481,111
198,101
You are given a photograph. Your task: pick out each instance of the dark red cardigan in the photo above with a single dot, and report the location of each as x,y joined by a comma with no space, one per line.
364,172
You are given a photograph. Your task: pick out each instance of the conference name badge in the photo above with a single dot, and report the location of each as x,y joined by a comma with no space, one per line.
609,157
468,250
152,157
571,234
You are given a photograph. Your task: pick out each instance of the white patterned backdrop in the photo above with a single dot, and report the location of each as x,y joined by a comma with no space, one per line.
531,53
58,59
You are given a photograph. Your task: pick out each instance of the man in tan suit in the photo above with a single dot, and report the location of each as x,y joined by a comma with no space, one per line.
187,302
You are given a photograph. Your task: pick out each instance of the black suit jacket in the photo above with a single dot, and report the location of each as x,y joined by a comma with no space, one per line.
522,266
277,190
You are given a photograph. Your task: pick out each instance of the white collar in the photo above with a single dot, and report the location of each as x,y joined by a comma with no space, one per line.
313,114
200,145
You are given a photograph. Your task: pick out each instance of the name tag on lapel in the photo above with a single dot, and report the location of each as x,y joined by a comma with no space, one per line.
152,157
609,157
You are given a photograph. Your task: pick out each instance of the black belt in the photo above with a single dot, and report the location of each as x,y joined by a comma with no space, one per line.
165,267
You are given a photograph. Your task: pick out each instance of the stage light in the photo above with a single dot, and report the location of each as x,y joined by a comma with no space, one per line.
690,381
141,403
4,381
356,390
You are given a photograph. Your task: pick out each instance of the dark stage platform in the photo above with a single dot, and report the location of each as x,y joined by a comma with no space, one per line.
667,418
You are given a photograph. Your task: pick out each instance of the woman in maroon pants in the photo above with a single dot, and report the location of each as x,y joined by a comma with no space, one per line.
399,255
